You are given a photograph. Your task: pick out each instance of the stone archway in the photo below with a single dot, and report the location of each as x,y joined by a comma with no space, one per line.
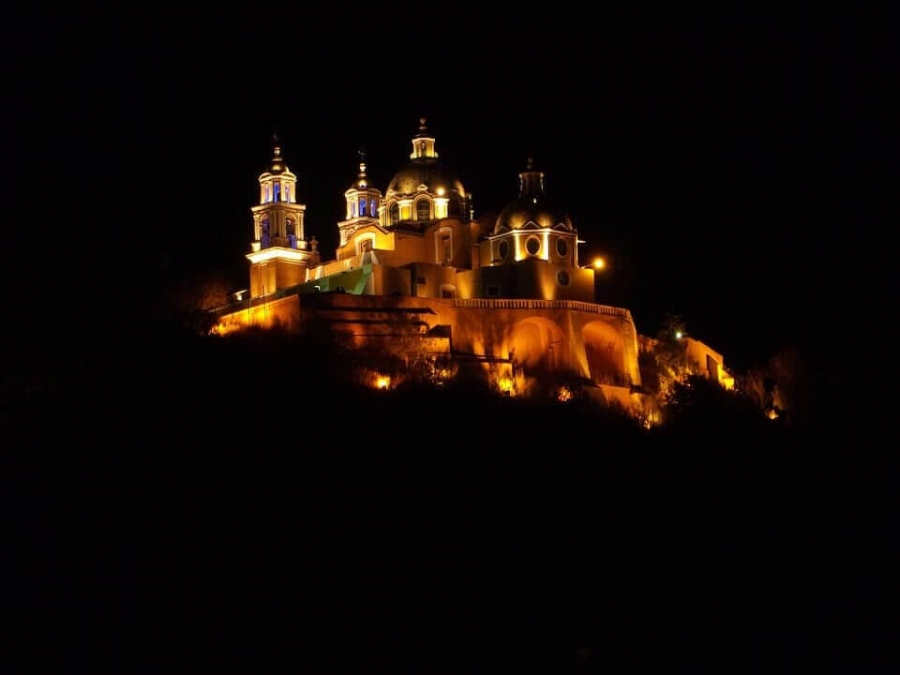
539,345
604,348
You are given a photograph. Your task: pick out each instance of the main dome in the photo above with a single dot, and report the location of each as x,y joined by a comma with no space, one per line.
425,169
429,172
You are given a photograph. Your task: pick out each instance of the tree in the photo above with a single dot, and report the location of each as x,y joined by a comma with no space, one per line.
186,303
700,406
664,360
786,386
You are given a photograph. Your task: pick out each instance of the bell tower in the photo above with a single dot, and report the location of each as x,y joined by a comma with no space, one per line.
363,204
279,254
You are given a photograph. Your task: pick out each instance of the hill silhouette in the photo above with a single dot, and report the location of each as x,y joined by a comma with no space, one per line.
186,502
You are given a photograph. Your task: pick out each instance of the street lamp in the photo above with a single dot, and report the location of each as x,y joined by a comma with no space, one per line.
598,264
239,299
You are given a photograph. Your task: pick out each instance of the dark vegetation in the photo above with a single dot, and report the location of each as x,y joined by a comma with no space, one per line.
178,503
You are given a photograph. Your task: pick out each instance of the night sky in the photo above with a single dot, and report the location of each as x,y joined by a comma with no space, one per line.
728,162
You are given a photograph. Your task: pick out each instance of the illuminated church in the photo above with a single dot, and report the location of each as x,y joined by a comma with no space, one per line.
418,275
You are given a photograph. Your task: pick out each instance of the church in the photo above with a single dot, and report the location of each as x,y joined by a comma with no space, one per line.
423,281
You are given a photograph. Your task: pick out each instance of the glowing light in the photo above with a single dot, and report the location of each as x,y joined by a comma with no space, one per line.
599,263
677,334
440,192
383,382
564,394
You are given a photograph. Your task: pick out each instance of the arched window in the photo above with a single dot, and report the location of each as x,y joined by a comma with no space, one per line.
264,233
443,246
395,213
504,249
289,227
365,245
423,210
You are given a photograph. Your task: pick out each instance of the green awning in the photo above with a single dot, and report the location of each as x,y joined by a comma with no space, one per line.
350,281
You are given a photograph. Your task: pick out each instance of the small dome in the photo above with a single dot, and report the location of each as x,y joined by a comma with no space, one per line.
519,213
532,208
362,182
427,171
277,165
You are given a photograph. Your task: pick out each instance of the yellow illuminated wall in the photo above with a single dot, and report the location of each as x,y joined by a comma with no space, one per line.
262,279
708,361
536,279
274,274
289,273
538,338
390,281
382,241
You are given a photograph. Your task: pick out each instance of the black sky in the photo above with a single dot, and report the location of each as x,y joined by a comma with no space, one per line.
724,160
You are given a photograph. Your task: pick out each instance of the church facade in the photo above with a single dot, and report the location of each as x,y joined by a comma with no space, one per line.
416,271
